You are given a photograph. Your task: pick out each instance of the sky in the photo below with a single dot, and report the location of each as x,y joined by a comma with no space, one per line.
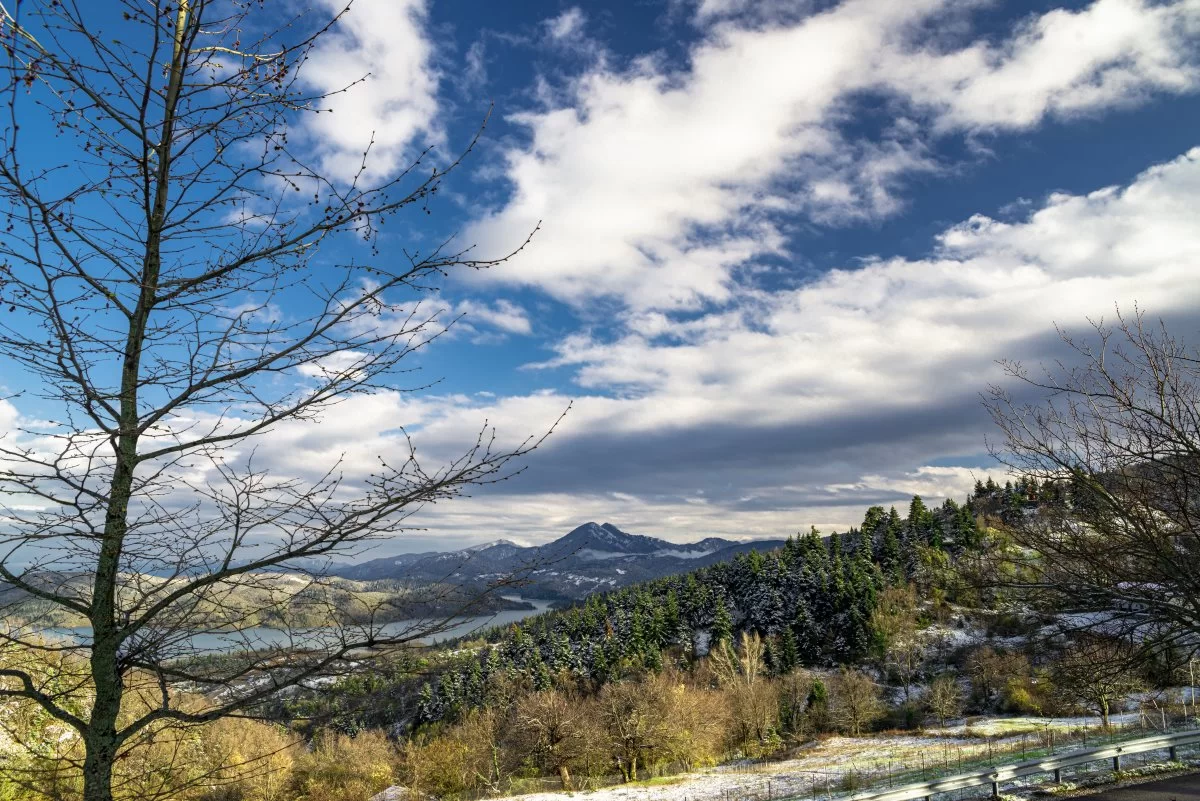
780,245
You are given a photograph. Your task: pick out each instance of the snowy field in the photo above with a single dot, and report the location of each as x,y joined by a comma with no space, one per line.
832,766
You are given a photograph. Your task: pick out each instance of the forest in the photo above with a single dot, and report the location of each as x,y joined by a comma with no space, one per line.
898,624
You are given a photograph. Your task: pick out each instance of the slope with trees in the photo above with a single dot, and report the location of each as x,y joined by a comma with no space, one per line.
815,602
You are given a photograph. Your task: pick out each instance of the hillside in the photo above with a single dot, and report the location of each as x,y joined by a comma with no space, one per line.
812,599
590,558
271,600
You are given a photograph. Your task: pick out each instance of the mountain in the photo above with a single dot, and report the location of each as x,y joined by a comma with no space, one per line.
590,558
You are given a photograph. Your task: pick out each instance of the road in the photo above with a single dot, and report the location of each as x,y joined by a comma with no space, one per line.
1180,788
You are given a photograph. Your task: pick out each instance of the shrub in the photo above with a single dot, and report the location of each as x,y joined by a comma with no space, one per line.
341,768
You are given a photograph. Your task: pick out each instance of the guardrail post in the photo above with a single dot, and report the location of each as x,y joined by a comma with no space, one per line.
1117,764
1173,753
1058,775
995,789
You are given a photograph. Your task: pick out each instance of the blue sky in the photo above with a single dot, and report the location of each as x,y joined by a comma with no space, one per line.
782,243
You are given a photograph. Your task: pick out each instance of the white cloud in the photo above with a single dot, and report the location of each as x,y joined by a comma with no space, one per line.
809,404
655,185
804,354
503,315
475,75
381,51
342,363
792,408
770,411
8,416
802,406
568,25
1062,63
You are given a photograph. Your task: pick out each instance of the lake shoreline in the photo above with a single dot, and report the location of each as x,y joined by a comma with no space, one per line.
266,637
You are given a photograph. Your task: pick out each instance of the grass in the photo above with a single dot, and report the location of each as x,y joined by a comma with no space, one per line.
656,781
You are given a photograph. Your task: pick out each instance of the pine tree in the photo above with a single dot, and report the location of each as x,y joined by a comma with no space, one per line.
429,709
540,673
967,534
474,687
918,518
494,666
937,537
600,667
635,642
789,653
889,554
872,521
770,661
722,626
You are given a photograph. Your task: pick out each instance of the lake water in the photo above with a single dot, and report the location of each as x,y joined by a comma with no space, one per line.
223,642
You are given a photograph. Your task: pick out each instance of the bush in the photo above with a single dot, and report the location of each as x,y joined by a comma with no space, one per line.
341,768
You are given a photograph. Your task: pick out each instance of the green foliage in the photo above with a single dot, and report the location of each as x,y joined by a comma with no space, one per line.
812,601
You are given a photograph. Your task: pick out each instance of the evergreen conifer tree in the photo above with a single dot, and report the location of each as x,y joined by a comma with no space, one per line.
789,653
722,626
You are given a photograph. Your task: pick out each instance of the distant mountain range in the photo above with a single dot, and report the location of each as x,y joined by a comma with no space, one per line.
589,559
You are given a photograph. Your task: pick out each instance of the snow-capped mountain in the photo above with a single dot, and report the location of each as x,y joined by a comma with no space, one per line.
593,557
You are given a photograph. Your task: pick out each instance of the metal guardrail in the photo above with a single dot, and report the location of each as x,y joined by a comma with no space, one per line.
995,776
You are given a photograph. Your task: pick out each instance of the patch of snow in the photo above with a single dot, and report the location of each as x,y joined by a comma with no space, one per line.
492,544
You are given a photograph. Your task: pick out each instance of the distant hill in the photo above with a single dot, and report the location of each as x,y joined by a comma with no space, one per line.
275,599
591,558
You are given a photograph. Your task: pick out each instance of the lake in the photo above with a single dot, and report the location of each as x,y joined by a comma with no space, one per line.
261,637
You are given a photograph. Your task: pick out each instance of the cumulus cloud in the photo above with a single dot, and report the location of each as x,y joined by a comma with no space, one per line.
1061,63
797,407
381,55
801,406
761,412
656,184
810,404
895,323
503,315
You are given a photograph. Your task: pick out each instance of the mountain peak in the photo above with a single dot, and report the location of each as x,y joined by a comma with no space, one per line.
593,530
493,544
595,540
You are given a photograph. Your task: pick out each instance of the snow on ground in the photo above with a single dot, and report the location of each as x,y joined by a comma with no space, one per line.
1001,726
827,765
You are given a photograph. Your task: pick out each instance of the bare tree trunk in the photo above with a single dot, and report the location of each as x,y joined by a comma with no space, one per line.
100,756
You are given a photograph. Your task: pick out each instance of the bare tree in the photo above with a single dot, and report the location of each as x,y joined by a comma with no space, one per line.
166,298
1096,672
945,698
1114,449
637,723
901,648
553,730
754,700
855,701
991,672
